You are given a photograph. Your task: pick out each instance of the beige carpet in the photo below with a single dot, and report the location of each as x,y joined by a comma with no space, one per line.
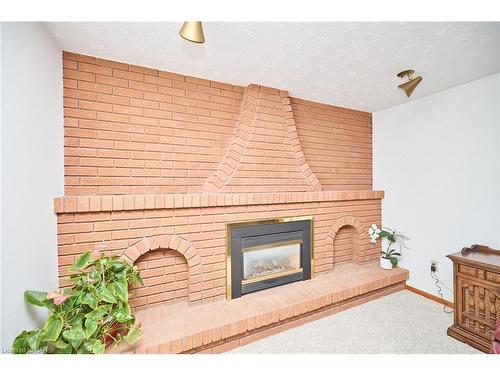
403,322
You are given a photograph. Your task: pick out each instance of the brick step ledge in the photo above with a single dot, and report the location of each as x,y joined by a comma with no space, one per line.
219,326
104,203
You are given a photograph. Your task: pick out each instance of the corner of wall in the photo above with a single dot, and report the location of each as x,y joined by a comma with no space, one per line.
32,121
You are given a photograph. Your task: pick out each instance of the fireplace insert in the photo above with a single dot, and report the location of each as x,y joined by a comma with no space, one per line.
266,254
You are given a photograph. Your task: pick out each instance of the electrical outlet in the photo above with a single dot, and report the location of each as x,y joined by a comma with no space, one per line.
434,265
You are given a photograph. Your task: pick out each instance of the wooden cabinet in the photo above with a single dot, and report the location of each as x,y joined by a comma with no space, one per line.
476,282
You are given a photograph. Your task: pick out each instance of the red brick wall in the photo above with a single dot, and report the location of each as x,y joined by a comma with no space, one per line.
343,245
135,130
264,154
165,276
337,143
156,165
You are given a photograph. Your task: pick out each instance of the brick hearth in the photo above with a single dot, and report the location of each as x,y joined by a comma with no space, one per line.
224,325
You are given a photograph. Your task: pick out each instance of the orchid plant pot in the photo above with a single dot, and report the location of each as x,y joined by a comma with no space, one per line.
389,256
385,263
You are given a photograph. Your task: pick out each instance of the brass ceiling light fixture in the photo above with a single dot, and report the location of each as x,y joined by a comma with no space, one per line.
192,31
409,86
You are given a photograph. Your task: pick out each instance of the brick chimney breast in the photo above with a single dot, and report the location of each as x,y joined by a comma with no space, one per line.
264,153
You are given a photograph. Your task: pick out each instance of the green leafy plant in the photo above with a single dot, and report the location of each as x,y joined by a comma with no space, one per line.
89,316
394,238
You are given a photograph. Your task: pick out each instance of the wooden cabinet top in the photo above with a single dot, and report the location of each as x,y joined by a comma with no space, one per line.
484,255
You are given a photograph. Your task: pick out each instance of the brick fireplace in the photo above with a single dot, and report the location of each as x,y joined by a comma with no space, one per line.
193,228
265,254
157,165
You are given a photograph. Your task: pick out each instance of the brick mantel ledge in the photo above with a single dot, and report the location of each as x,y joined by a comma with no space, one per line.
100,203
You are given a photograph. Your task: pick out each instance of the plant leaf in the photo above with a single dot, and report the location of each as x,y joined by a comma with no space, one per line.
121,289
35,297
34,339
94,346
90,327
60,343
77,319
89,344
20,344
89,299
76,344
383,234
97,313
81,263
133,334
117,265
106,295
137,279
76,333
95,275
69,304
68,349
122,313
98,348
52,328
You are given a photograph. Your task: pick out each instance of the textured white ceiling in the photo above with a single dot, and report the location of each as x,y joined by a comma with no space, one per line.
342,63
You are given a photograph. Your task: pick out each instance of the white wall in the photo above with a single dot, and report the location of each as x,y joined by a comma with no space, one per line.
438,160
32,170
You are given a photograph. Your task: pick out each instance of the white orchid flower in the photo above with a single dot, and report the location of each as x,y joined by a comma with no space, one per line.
374,230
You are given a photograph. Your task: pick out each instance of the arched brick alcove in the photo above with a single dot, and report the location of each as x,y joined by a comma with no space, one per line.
360,241
173,243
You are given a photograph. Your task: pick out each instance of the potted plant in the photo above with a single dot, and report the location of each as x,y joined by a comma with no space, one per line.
90,315
389,256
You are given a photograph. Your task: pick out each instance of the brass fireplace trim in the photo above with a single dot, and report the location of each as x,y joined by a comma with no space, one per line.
270,276
256,222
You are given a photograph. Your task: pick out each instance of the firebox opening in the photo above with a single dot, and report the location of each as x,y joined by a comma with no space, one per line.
265,254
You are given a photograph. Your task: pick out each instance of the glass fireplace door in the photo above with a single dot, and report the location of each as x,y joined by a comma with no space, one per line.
264,255
264,262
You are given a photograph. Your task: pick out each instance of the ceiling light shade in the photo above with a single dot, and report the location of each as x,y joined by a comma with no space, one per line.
192,31
409,87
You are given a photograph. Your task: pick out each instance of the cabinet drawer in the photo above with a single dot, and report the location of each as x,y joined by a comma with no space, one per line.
471,271
492,276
